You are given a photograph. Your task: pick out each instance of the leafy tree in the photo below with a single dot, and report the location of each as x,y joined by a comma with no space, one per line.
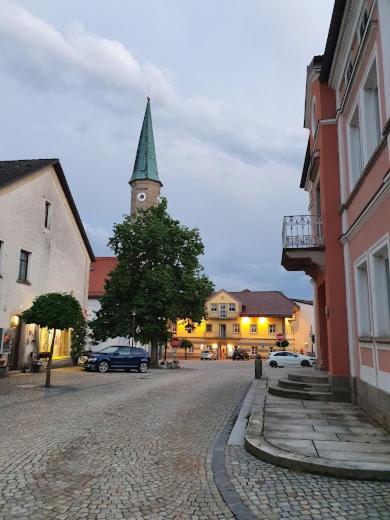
54,311
158,277
186,344
79,336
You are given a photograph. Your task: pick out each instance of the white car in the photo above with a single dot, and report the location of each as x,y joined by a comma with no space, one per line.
290,359
206,354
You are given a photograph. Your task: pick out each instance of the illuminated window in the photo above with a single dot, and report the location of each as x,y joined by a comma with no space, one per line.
236,328
271,328
253,329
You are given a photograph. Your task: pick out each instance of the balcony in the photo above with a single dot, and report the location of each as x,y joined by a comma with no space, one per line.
303,244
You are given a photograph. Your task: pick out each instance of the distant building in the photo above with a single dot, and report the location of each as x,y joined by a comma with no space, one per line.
249,320
43,248
344,243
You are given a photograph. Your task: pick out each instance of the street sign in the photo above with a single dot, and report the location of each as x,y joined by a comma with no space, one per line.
175,342
280,337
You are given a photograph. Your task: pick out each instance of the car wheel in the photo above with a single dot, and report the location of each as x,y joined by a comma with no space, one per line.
305,363
103,367
143,367
273,364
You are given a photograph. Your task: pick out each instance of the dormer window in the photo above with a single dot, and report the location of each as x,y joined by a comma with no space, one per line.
48,212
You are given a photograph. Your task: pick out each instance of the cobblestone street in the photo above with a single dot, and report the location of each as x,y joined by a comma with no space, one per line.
137,446
116,445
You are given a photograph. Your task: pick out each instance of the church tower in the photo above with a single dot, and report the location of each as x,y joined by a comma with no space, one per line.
145,183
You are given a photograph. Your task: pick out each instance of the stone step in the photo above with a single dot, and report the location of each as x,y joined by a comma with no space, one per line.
300,394
297,385
300,378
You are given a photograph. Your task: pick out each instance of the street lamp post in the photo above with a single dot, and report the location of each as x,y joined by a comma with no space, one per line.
132,337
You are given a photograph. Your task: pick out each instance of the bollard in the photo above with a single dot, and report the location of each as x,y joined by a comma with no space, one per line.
258,367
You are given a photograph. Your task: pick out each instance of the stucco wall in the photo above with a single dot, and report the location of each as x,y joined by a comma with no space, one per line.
59,260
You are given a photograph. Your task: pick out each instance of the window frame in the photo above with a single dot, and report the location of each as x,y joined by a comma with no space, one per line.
2,249
232,307
253,328
28,266
269,329
355,166
371,126
236,328
378,308
222,313
362,264
213,307
48,215
209,327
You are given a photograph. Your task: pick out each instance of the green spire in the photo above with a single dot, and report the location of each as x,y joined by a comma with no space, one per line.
145,165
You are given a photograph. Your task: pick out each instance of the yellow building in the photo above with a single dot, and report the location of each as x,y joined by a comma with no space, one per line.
247,319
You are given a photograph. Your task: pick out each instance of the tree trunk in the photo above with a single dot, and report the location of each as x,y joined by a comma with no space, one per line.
47,384
154,355
185,353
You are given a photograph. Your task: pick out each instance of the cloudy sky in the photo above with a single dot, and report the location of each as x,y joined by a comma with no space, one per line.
227,81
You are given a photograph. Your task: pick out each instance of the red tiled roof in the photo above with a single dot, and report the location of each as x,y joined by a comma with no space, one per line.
264,303
100,270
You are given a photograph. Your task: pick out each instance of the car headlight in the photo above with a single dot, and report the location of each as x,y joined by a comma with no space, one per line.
92,359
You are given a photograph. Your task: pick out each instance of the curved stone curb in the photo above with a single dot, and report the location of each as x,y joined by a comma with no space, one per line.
221,477
260,448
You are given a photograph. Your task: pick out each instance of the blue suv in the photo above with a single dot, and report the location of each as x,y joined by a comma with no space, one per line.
123,358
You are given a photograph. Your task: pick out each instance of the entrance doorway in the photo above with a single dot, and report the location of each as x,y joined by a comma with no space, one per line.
323,328
16,326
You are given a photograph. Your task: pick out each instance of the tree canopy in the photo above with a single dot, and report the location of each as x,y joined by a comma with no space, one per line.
54,311
158,277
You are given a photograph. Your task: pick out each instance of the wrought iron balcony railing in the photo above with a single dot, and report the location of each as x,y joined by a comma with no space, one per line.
302,232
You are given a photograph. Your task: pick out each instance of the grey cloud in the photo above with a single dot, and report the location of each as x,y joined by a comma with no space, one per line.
106,72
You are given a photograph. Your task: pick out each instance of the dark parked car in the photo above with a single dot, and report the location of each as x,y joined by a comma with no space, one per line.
114,358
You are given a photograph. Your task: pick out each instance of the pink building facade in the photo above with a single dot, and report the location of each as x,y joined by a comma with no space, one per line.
347,175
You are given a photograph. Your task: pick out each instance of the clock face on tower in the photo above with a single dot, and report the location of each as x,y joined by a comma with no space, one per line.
141,196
